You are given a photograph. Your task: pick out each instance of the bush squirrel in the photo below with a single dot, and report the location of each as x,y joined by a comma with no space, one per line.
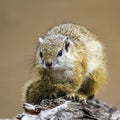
70,62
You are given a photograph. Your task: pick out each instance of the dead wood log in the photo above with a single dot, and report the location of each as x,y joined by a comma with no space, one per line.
61,109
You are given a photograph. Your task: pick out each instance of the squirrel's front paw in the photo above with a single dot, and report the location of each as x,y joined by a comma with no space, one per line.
81,98
70,96
76,97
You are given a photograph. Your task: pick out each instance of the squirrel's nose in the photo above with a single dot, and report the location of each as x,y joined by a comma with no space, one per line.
48,64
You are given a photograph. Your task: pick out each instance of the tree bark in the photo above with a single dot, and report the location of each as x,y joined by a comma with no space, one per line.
61,109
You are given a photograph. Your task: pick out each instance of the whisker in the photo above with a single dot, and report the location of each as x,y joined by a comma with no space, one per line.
34,64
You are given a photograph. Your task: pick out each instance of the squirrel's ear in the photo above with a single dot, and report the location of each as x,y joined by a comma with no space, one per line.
40,40
67,43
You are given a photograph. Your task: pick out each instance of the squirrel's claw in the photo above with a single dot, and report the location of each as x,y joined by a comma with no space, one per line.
71,96
81,98
78,97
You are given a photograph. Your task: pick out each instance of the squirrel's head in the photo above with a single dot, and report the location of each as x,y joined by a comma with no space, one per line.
54,53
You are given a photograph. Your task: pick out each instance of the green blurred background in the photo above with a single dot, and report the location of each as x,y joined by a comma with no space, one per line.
23,21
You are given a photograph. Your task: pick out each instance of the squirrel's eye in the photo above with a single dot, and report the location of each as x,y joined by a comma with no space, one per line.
41,55
59,53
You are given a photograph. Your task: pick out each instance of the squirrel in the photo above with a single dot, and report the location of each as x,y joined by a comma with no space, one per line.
69,61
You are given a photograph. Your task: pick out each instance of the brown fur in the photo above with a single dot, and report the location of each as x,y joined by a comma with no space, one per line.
83,79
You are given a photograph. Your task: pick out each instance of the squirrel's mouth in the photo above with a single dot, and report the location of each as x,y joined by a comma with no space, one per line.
49,68
52,67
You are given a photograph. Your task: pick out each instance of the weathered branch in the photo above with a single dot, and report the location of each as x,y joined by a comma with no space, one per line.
61,109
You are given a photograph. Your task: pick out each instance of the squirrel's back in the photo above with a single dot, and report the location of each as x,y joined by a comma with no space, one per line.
80,36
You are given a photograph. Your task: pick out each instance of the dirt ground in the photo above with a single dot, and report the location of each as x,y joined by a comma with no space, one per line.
23,21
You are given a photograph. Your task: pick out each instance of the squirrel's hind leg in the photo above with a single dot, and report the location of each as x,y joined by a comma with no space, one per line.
92,84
